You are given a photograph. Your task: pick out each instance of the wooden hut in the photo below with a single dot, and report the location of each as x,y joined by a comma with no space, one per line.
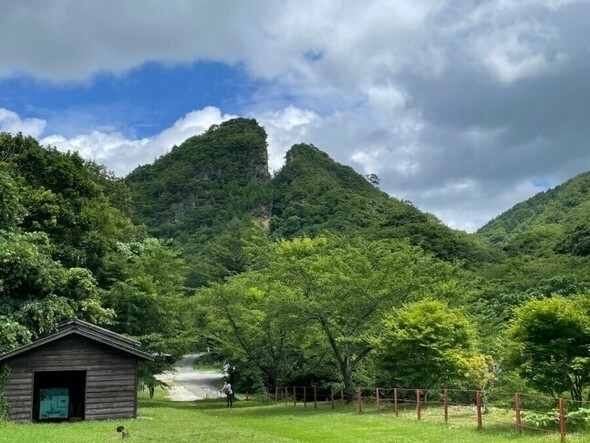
82,371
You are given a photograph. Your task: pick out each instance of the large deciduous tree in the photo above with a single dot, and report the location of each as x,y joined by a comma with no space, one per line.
345,286
426,345
550,344
339,288
247,321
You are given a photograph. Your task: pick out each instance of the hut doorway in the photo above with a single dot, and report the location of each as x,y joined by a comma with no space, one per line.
59,395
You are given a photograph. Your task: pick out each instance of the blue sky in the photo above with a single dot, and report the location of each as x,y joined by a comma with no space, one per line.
144,101
463,107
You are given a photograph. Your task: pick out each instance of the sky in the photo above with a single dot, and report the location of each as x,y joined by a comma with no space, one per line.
463,107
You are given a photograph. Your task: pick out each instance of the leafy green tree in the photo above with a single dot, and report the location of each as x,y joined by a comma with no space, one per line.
12,334
77,204
428,345
227,254
247,322
149,301
11,210
37,292
549,342
344,286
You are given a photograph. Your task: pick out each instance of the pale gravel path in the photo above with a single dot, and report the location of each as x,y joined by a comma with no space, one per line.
186,384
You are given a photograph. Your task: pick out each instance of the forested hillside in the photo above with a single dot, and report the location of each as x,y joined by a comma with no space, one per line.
193,192
218,183
311,276
544,237
313,194
556,220
68,249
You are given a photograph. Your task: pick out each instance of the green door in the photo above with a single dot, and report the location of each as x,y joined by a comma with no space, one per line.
54,403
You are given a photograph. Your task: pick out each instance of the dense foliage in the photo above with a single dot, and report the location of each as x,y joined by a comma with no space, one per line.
549,344
314,194
69,250
427,344
191,193
319,299
554,221
312,276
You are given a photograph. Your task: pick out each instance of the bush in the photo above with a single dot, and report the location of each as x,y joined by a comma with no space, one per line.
577,419
4,373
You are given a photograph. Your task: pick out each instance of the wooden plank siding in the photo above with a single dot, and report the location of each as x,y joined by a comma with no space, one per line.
111,377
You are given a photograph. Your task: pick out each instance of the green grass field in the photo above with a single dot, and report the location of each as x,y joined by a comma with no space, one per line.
160,420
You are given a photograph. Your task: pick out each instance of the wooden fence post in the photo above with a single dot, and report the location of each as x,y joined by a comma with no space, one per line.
561,407
294,396
359,399
286,394
446,404
395,408
342,395
276,394
304,397
418,412
478,406
517,411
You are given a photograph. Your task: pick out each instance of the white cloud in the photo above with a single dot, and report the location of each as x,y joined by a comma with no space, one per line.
11,122
519,51
121,155
285,128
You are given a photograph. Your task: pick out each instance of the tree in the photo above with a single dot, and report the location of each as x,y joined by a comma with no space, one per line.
149,301
373,179
428,345
11,211
344,286
79,206
549,344
247,322
228,253
38,293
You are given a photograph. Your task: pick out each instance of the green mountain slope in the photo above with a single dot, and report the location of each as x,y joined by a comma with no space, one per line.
206,181
554,221
204,192
313,193
210,185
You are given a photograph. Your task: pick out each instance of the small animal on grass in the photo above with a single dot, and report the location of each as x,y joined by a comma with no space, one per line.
124,432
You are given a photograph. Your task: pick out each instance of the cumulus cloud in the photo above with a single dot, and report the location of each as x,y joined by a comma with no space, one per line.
285,128
11,122
121,155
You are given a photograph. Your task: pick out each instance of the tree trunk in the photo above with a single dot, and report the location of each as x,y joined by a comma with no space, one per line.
349,390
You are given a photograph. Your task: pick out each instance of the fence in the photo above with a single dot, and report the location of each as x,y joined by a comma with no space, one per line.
524,413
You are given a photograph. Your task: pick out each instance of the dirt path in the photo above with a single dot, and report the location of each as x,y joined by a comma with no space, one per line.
186,384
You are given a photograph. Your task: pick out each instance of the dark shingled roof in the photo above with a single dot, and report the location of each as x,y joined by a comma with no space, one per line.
90,331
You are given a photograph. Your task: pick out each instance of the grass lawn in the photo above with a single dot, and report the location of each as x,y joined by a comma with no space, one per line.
161,420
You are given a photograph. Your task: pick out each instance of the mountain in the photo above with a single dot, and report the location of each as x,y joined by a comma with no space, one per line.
204,182
313,194
554,221
209,186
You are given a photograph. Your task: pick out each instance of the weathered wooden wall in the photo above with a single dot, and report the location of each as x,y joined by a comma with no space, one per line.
111,377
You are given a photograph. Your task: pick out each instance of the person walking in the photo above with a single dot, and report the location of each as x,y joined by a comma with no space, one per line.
227,390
